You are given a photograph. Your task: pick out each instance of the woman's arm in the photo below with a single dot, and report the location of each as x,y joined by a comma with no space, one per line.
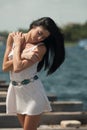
27,60
21,62
8,64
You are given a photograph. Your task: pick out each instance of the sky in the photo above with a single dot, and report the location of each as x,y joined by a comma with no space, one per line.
15,14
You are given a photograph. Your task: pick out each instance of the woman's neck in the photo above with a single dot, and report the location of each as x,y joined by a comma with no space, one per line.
28,39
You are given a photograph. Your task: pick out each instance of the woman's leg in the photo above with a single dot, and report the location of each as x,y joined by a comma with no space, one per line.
21,119
31,122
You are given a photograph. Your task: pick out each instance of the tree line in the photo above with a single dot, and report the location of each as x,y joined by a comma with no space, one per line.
75,32
72,32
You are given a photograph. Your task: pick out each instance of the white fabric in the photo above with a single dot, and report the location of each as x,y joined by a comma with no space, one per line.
27,99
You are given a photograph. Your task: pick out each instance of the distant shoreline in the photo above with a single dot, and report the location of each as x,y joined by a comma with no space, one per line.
70,44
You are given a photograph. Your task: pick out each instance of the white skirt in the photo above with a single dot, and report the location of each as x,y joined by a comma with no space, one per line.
27,99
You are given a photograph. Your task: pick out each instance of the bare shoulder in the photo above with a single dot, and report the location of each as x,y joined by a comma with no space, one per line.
42,49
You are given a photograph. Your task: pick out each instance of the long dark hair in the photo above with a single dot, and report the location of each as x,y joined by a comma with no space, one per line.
55,53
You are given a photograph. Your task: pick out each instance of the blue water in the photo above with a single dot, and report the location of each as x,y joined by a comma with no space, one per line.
69,82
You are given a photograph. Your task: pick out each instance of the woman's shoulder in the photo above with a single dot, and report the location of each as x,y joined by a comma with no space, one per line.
41,49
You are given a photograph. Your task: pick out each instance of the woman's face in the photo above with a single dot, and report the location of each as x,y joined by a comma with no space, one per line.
38,34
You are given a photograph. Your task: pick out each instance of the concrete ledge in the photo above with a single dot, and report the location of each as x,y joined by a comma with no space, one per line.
3,86
57,106
3,95
59,128
67,106
8,121
52,97
70,123
56,117
2,107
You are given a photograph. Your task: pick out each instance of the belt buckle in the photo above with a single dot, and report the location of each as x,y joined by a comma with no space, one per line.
25,81
19,83
16,83
32,80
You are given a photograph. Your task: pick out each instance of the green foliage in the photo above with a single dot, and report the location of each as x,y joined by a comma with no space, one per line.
72,32
4,34
75,32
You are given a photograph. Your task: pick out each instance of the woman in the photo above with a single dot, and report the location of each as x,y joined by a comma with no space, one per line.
26,54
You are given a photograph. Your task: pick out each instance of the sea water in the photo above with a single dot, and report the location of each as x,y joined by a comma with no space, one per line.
69,82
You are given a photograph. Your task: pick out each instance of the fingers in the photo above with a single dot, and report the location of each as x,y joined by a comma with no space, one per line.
12,34
15,34
18,33
17,37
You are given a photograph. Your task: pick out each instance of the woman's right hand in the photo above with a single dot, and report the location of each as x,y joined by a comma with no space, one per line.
18,39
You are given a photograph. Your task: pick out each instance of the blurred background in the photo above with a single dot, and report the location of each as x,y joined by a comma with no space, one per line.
69,82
